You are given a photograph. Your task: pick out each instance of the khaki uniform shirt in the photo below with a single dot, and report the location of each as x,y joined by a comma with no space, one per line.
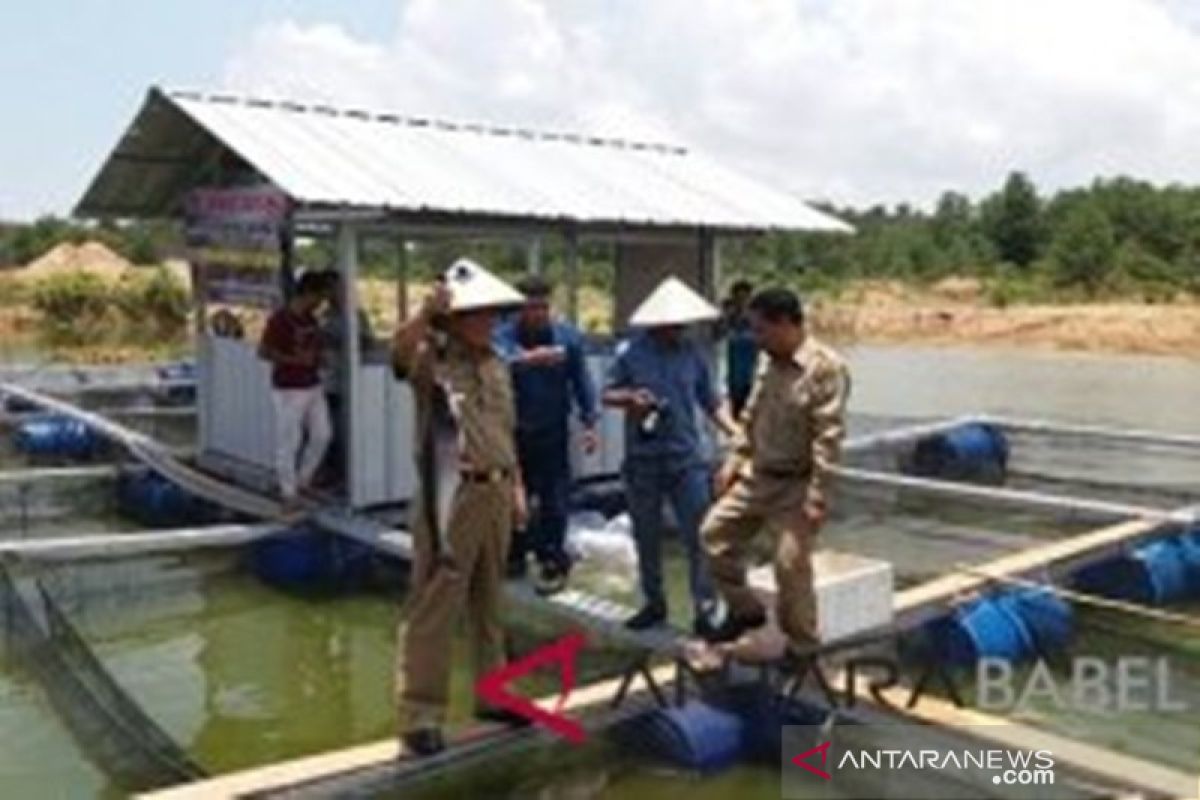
480,394
794,420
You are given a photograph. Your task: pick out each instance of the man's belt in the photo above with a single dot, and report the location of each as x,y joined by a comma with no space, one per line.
783,473
494,475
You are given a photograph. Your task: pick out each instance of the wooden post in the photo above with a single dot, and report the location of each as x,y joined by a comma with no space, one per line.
347,262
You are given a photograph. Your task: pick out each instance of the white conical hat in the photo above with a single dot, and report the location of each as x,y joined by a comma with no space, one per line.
473,287
673,303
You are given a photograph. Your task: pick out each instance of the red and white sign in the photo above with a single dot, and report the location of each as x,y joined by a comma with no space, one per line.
235,239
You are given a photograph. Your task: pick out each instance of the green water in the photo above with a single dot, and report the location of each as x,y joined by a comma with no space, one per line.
243,675
39,757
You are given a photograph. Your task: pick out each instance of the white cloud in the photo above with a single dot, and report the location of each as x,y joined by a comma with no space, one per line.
856,100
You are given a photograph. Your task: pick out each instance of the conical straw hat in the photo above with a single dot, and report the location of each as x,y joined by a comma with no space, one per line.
673,303
473,287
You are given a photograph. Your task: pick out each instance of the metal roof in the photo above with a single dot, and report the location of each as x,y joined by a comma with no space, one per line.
328,157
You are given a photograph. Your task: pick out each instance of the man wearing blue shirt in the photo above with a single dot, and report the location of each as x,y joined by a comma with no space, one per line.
659,378
549,373
741,349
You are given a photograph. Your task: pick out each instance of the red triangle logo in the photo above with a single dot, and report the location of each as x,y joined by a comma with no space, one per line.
493,687
802,762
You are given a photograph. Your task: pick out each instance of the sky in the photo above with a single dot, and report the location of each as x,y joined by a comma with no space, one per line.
852,101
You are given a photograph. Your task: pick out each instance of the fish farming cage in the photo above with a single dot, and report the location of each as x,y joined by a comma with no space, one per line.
108,724
739,726
104,638
1120,466
933,496
1066,660
36,503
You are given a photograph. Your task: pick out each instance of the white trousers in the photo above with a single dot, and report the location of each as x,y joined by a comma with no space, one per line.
301,418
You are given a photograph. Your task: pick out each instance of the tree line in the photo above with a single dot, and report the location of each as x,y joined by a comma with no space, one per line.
1117,237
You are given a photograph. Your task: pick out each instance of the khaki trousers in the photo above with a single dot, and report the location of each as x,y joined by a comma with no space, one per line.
472,579
751,505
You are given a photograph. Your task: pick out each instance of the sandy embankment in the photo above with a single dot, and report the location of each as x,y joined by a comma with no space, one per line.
954,312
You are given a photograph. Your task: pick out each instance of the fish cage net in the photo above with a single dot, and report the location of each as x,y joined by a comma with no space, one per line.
1135,468
109,725
35,505
924,536
1163,473
931,497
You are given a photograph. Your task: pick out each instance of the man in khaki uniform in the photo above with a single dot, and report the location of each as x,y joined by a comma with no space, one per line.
458,562
778,473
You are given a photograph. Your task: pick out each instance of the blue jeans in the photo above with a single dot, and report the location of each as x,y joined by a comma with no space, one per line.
687,485
546,469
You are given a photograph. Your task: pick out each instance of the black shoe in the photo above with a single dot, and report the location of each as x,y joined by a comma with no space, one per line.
648,617
551,579
703,623
423,742
502,716
703,626
732,627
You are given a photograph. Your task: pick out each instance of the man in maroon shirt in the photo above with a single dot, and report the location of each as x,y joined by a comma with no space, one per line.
291,342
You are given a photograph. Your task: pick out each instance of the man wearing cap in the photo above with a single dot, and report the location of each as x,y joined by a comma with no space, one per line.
548,373
457,563
777,475
659,378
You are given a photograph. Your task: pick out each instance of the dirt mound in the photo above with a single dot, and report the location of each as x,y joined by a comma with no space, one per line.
93,258
959,289
180,270
878,294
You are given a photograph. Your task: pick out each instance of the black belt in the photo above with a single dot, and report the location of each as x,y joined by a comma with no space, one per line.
766,472
495,475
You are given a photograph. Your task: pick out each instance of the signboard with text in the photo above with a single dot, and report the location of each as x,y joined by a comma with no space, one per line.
235,241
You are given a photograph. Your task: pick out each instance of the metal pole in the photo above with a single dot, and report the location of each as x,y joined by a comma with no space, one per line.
708,265
533,256
347,259
572,265
402,280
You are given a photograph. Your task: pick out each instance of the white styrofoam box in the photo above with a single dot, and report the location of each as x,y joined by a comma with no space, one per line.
854,593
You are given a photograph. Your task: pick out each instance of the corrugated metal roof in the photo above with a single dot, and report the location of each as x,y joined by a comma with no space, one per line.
323,156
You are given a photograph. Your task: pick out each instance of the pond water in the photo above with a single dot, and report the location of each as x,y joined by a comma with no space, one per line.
241,674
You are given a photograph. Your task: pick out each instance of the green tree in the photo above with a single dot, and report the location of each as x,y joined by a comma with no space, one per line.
1084,247
1013,220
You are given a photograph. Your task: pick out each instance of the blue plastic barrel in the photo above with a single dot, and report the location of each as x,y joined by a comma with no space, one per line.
57,435
305,559
154,501
1189,543
1046,616
696,736
976,451
1154,574
177,372
980,629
